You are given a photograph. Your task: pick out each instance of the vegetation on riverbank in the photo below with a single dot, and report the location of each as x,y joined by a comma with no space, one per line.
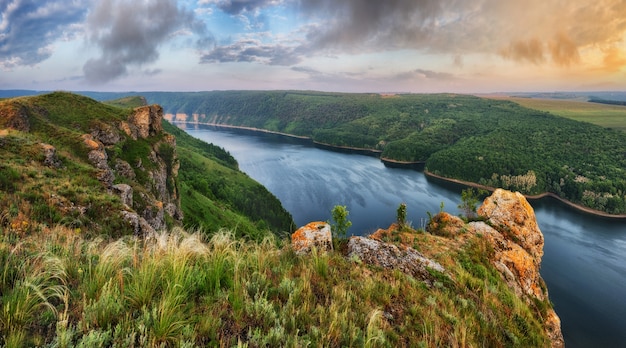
492,142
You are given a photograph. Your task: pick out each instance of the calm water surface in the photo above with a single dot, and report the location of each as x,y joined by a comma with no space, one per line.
584,261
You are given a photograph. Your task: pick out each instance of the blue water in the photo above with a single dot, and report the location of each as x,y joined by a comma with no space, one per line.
584,263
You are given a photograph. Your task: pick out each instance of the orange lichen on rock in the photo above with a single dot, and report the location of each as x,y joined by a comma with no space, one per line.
511,214
314,234
90,142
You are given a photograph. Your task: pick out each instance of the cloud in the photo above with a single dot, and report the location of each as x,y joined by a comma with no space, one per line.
252,50
236,7
564,51
614,60
531,31
28,28
129,33
525,50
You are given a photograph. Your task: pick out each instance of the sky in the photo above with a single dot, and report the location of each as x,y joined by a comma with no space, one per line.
420,46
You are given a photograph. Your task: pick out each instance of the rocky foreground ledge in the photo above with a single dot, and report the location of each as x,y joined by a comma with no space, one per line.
507,224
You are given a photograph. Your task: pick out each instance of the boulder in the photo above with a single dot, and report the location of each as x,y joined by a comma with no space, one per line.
123,169
50,156
314,234
106,134
390,256
445,225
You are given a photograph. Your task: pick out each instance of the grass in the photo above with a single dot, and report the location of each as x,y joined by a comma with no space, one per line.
182,289
608,116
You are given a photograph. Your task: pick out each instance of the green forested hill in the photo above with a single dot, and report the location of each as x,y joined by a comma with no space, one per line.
494,142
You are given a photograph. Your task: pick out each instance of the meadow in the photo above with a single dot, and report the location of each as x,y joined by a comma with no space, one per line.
608,116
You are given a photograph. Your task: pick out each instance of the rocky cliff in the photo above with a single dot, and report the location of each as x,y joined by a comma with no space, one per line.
515,245
58,143
505,241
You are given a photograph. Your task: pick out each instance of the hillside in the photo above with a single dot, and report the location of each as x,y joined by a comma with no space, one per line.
92,253
496,143
108,170
481,288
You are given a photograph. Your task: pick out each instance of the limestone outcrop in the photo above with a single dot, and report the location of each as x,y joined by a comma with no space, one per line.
518,247
144,122
313,235
99,158
390,256
158,189
15,116
511,214
510,227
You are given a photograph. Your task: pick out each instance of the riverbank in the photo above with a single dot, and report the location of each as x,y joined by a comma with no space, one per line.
417,165
251,129
348,149
531,197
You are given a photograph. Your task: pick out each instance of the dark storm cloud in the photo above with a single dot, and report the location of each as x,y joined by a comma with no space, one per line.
129,33
29,27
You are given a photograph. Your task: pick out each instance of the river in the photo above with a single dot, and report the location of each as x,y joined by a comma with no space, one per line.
584,263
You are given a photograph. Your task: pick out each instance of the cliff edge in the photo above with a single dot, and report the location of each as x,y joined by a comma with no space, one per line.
492,262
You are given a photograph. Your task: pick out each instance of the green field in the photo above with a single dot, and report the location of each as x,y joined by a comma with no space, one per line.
609,116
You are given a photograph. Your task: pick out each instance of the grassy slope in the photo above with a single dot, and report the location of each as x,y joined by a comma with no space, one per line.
35,197
608,116
181,290
215,194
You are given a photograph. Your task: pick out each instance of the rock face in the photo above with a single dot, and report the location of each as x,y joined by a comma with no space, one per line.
518,248
99,158
159,193
386,255
144,122
314,234
511,214
125,192
15,116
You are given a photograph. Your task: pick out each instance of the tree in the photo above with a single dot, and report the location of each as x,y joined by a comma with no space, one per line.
401,214
340,217
469,202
